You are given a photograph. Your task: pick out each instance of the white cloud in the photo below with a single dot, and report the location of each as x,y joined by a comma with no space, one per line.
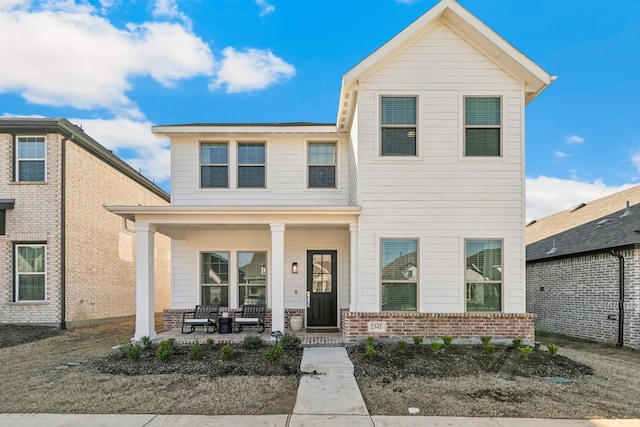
266,7
169,9
574,139
561,155
13,4
66,55
134,143
251,69
546,195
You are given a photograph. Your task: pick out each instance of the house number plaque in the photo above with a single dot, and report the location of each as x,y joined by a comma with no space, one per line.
377,326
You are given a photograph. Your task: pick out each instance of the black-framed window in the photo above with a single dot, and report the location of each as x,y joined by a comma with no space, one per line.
398,128
482,122
30,271
251,165
252,278
322,165
30,161
214,278
483,275
214,165
399,274
3,222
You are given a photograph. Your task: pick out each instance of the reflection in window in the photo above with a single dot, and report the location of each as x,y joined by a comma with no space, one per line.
252,277
214,278
321,277
399,275
30,272
484,275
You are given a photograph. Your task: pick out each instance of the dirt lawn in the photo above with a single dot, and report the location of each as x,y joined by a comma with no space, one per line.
31,382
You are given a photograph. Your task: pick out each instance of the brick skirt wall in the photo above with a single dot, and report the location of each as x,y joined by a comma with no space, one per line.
357,326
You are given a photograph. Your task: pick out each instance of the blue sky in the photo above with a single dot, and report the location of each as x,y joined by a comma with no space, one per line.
118,67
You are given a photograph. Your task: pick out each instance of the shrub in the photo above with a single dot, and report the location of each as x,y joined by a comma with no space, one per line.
517,342
370,340
435,346
210,342
145,341
195,351
134,351
447,340
252,342
402,346
226,352
273,353
490,349
165,349
485,340
417,340
526,351
290,341
552,349
124,346
369,350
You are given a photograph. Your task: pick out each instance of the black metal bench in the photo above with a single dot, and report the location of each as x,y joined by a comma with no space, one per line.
203,315
249,315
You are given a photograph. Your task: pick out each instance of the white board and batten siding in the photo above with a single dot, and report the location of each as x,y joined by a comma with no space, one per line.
440,197
286,172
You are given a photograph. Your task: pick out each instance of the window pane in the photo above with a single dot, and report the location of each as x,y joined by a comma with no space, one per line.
214,153
322,154
399,259
482,142
30,170
31,148
215,295
322,177
484,296
399,297
482,111
31,259
3,222
322,277
250,153
31,287
398,141
215,268
252,267
484,260
398,110
253,295
214,176
251,176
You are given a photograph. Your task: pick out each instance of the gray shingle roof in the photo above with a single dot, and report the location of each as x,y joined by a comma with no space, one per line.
605,233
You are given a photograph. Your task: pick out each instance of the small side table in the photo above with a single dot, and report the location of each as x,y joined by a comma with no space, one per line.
225,325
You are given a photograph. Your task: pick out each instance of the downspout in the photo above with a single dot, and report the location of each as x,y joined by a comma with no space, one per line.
63,233
620,342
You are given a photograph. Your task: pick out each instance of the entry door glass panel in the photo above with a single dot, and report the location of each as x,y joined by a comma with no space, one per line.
322,266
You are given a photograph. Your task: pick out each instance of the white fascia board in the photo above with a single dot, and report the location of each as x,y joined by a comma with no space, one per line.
168,131
132,211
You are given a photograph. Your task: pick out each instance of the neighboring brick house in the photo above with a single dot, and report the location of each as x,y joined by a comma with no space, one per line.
65,259
404,217
584,282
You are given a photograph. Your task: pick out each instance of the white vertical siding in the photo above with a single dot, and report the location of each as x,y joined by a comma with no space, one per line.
440,196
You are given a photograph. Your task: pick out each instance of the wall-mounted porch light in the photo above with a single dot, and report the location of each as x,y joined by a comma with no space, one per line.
294,268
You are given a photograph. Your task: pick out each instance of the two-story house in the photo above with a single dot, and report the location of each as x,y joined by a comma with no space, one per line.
404,217
65,259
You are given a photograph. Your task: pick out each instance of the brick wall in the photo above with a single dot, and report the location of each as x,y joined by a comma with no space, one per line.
579,296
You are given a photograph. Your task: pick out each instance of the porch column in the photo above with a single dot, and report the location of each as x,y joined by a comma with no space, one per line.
145,322
353,264
277,277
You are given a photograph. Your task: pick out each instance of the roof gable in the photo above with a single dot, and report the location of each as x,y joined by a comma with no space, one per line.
468,27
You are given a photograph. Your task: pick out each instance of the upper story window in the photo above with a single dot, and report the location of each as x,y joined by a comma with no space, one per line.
399,287
214,165
30,162
322,165
251,165
482,126
484,275
398,130
3,222
30,272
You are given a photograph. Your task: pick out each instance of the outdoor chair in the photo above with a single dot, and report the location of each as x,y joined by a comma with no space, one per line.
203,315
249,315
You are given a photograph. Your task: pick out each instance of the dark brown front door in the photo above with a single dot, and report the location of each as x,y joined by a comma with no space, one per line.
322,301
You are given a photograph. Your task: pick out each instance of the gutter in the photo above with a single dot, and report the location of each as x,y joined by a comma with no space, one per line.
620,257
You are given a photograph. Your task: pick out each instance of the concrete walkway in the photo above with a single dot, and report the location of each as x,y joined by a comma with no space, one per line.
328,395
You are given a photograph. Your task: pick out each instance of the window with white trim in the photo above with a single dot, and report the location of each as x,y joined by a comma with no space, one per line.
322,165
483,275
30,268
214,165
252,278
30,161
214,278
399,274
398,129
482,126
251,165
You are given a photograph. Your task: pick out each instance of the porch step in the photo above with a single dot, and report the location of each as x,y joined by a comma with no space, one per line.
326,360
